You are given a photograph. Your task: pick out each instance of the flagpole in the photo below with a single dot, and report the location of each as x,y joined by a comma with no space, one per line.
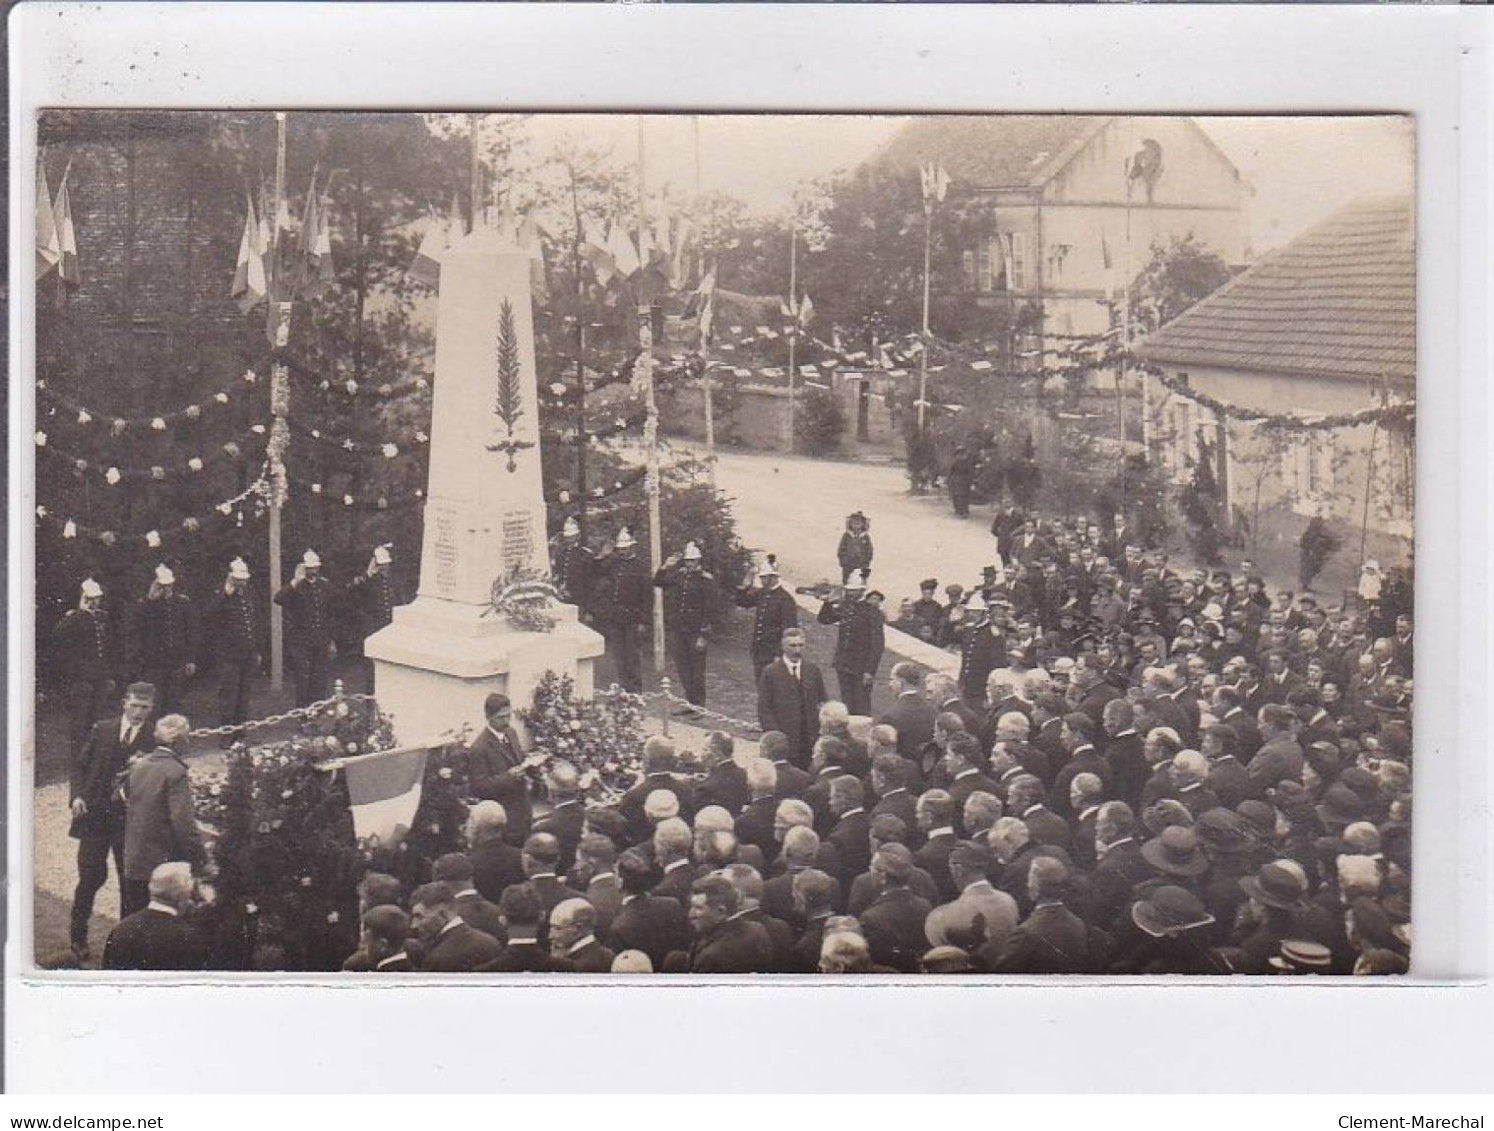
581,439
923,354
279,404
705,365
793,336
476,168
651,421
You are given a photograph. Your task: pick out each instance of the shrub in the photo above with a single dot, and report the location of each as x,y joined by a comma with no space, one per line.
1200,503
819,423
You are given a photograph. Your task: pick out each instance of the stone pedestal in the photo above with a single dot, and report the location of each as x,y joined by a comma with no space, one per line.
484,513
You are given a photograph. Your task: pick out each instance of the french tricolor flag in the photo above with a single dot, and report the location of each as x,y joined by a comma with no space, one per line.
384,791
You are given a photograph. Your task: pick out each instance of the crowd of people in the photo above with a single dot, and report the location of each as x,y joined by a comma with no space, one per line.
1131,770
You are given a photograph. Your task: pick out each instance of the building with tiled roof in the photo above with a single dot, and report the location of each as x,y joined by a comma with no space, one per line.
1072,225
1324,326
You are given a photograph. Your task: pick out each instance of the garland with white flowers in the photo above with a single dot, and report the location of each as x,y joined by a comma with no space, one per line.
113,475
250,502
119,426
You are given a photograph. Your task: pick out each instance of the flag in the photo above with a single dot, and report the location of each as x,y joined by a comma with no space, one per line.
325,270
806,311
935,182
426,266
530,240
67,238
624,253
249,285
595,251
684,238
48,245
384,792
705,295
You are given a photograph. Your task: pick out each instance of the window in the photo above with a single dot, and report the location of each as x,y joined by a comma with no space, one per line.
1018,281
983,267
1308,470
967,263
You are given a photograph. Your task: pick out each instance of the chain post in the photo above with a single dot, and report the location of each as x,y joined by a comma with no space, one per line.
664,698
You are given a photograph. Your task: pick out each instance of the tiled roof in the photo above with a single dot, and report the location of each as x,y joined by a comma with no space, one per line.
990,150
1339,300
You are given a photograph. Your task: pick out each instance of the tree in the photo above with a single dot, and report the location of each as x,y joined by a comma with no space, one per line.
1317,545
868,279
1174,278
1200,504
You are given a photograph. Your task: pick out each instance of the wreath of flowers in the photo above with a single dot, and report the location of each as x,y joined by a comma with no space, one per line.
602,736
524,598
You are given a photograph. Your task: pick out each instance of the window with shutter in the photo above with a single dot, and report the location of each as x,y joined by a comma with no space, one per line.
1018,280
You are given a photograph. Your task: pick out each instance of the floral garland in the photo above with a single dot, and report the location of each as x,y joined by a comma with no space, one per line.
380,501
118,426
256,494
629,479
114,475
602,736
1402,414
386,448
523,597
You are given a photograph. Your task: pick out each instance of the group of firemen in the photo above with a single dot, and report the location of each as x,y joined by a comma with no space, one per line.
160,638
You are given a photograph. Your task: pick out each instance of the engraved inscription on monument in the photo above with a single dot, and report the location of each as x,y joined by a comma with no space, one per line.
518,539
445,548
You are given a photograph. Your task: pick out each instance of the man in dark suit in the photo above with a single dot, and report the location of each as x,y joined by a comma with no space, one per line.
890,784
943,695
894,923
1280,757
496,768
382,942
496,864
851,833
1083,759
524,954
1228,778
829,763
722,944
1026,799
451,945
962,759
455,869
1052,939
1279,681
814,896
1227,708
672,844
789,693
1121,866
160,822
776,612
653,924
596,856
659,763
748,882
1123,753
573,937
754,825
911,715
157,937
566,815
886,829
98,810
936,820
801,853
541,860
792,779
725,782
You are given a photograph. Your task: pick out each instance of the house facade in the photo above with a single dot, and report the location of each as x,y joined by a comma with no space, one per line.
1325,326
1078,200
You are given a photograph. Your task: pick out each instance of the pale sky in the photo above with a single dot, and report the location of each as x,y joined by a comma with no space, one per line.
1301,168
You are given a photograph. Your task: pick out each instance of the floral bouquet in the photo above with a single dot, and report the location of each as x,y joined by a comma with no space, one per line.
602,737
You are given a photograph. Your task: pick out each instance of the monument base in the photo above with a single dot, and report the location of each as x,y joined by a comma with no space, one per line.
437,661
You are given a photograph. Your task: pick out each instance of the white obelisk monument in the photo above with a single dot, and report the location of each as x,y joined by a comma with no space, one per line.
484,513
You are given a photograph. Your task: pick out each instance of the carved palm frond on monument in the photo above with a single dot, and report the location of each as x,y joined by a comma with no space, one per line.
508,401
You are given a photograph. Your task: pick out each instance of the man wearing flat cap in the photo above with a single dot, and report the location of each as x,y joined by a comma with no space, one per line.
307,601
